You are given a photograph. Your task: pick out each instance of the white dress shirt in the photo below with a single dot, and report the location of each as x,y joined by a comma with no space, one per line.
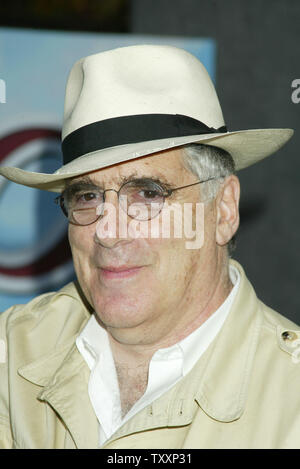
167,366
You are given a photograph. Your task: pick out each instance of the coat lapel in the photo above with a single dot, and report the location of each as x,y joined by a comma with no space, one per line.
64,377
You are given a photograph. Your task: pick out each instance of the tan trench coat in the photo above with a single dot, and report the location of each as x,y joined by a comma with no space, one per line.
244,392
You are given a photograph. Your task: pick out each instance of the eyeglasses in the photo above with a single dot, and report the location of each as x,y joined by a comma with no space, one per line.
141,199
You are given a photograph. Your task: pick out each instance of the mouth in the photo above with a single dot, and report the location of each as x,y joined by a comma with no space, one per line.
110,272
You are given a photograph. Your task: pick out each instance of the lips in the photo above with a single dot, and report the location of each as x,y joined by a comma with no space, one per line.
124,271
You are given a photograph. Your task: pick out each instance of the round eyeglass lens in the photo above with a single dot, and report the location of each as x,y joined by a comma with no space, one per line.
84,208
141,200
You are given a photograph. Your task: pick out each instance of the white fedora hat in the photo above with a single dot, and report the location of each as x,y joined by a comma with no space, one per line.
134,101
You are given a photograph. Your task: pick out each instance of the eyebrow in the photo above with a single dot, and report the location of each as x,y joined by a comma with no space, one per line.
86,183
73,187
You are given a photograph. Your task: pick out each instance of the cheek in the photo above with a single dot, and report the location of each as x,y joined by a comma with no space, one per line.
81,237
75,240
175,265
81,243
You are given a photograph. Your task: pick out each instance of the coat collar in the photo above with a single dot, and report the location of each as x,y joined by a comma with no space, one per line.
227,365
74,408
76,315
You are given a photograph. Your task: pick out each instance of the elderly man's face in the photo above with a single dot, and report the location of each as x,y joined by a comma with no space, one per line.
143,288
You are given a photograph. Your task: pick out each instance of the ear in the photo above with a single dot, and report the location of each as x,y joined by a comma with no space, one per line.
227,210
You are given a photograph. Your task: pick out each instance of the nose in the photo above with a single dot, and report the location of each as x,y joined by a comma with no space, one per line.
109,190
111,228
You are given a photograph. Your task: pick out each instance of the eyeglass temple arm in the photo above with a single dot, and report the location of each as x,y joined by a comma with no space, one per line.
169,191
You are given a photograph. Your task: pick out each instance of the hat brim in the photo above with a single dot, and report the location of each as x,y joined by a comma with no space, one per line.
245,146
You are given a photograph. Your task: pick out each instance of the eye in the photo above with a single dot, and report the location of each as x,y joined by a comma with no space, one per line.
87,199
150,194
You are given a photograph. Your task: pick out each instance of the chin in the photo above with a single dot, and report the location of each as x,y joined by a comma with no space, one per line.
121,311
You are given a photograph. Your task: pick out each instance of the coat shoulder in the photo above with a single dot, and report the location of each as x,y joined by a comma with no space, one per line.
41,305
46,323
18,312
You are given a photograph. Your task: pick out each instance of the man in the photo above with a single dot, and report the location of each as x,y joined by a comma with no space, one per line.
163,342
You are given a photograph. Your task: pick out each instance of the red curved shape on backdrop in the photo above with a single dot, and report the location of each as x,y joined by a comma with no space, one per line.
16,139
60,253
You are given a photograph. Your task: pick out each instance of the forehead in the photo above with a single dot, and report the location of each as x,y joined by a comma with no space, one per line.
167,166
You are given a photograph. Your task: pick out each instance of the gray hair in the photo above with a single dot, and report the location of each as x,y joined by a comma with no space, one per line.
207,161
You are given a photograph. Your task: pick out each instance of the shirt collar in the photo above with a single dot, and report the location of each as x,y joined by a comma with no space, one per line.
92,342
